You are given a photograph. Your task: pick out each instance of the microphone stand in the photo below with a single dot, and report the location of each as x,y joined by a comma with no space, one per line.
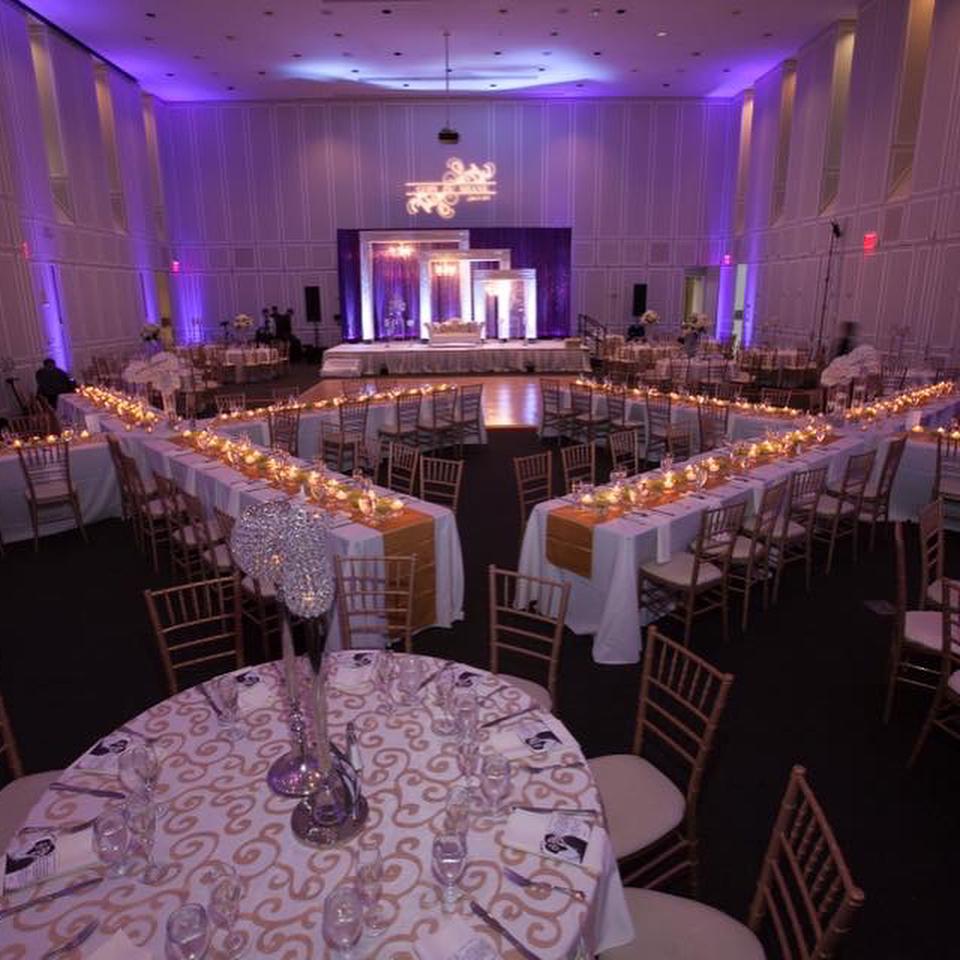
835,234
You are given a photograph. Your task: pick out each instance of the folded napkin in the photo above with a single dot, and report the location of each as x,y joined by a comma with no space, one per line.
103,755
119,947
455,940
254,694
558,835
535,737
43,856
354,671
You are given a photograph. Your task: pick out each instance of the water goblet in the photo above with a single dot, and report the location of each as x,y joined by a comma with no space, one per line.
342,920
111,840
445,725
456,814
224,911
468,760
494,781
466,711
666,462
409,675
228,693
370,887
383,671
142,822
188,932
139,770
449,861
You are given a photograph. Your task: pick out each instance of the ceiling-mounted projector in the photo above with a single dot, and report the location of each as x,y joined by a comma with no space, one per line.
448,135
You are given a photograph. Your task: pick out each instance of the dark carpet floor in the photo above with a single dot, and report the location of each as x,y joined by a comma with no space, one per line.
76,660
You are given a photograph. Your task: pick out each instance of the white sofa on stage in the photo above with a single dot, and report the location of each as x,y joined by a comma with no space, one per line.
455,333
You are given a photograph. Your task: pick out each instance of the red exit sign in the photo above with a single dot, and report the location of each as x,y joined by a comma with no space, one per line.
870,241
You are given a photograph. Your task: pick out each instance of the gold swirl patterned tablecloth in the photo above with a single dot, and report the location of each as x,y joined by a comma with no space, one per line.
219,809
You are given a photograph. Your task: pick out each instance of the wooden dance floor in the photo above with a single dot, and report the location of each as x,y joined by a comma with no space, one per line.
507,401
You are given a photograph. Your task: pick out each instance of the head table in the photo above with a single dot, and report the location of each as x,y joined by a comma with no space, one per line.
217,808
604,603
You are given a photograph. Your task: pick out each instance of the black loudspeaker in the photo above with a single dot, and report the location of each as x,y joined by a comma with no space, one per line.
639,299
311,296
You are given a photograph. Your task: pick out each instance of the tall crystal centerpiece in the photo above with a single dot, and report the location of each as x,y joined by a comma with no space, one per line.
285,546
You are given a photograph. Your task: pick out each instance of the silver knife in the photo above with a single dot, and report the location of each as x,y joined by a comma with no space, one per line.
508,716
573,811
436,673
88,791
78,940
496,925
50,897
493,693
206,696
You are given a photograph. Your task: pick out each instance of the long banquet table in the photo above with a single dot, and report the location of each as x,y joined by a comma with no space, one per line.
413,357
218,809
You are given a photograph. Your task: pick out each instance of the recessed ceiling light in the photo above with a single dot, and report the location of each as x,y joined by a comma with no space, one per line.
562,10
635,70
498,53
620,12
406,84
197,56
695,53
595,12
579,84
541,69
492,84
665,84
503,10
268,13
398,53
338,34
169,74
151,15
150,39
354,70
554,33
230,36
661,33
386,11
548,53
262,73
296,56
231,88
598,53
736,13
767,35
726,69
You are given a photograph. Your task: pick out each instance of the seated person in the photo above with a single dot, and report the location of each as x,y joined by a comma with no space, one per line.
636,331
52,381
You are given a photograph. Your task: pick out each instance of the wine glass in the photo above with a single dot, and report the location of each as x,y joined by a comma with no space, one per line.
449,861
139,770
142,822
224,910
494,781
456,815
188,932
468,759
445,724
383,677
111,840
466,710
228,693
342,920
409,675
370,887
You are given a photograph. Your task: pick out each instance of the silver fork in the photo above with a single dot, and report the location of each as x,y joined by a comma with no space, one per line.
530,768
82,937
521,881
54,828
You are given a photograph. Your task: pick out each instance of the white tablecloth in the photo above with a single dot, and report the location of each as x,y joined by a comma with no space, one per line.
544,356
221,810
93,477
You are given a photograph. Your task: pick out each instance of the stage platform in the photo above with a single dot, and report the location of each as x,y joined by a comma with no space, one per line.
413,358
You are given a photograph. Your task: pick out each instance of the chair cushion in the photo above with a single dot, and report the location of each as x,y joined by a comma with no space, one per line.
642,805
667,927
678,571
18,798
219,557
266,589
935,592
51,490
538,694
827,507
741,550
924,628
953,684
949,487
190,538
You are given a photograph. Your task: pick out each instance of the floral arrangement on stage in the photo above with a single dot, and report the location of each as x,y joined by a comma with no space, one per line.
649,318
133,411
860,363
456,325
242,321
695,323
150,333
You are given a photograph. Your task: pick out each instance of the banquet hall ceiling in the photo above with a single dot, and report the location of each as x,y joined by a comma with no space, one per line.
280,49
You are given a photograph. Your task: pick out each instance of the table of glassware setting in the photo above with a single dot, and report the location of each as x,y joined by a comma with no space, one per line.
382,413
165,839
251,363
91,474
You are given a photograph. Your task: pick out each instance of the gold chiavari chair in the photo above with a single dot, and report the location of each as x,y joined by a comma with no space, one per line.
944,711
793,535
585,421
149,513
437,429
197,547
946,484
932,553
406,416
20,792
468,416
375,599
579,464
526,621
440,481
534,476
283,426
123,484
876,497
617,410
713,419
652,817
750,560
46,471
402,468
626,452
555,415
197,629
804,903
40,424
693,583
776,396
916,640
658,423
344,448
230,402
679,442
838,512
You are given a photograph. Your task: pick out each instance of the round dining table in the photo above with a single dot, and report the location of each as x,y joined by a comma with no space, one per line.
216,808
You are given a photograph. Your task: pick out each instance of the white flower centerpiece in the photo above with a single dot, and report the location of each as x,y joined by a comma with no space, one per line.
163,372
860,363
242,322
649,318
696,323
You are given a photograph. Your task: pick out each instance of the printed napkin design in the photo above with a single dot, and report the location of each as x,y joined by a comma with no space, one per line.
538,737
559,836
104,754
531,737
47,856
566,838
466,679
253,694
